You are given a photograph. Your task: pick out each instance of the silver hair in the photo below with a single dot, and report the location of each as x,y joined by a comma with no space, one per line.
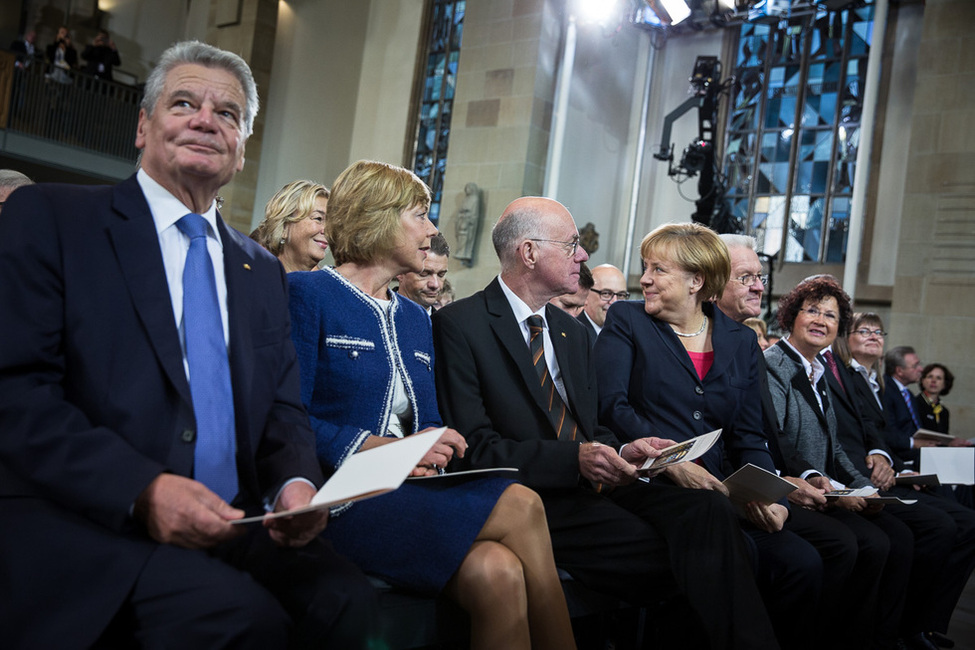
13,179
195,52
742,241
514,228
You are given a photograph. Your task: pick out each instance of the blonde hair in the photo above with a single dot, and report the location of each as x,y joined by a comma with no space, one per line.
756,324
697,249
364,211
292,203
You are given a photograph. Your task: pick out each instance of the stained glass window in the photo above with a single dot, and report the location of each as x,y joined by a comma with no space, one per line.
437,97
794,129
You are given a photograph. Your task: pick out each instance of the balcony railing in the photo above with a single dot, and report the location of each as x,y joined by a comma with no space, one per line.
74,109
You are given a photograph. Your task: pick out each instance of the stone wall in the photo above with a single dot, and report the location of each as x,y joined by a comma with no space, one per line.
933,305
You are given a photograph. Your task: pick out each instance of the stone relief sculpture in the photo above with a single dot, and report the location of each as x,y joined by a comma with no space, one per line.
467,224
589,238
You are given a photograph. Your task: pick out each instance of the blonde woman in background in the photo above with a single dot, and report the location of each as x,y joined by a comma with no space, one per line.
293,229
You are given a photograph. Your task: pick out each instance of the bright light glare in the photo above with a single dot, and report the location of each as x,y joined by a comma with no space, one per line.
726,5
595,11
677,9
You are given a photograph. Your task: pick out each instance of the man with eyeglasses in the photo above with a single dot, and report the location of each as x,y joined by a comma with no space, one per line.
609,285
516,377
902,367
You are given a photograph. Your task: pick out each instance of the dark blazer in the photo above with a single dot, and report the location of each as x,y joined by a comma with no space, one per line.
94,400
807,428
900,425
925,413
855,432
648,386
486,383
582,318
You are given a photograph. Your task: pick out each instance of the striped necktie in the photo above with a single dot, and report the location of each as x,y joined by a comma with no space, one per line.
562,421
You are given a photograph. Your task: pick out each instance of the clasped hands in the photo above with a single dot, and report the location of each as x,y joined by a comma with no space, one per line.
181,511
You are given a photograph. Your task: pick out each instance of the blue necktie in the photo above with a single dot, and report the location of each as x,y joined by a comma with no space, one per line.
906,394
214,462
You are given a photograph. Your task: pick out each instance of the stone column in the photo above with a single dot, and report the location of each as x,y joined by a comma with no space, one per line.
933,306
247,28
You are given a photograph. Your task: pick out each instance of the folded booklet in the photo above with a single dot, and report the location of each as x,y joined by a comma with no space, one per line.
681,452
752,483
366,474
933,436
918,479
867,492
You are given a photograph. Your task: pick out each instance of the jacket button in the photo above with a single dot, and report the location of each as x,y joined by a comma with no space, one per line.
697,415
353,354
698,390
188,435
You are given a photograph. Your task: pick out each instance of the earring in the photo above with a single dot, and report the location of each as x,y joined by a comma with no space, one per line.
283,240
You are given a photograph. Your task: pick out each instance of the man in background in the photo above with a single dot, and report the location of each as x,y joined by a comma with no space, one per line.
424,287
609,285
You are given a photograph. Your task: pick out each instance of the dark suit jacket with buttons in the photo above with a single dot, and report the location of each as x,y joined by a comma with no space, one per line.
648,386
94,400
488,388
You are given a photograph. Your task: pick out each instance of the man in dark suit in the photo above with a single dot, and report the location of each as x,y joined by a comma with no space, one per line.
516,377
118,484
608,286
424,287
902,367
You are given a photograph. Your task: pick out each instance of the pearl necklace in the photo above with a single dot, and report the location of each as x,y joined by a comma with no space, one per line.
704,326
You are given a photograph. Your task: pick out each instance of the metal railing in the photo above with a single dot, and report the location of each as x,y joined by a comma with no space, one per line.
75,109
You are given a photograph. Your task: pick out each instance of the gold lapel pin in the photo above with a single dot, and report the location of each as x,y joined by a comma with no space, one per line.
563,334
247,267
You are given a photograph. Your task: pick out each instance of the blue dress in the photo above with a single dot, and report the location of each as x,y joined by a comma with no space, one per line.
351,351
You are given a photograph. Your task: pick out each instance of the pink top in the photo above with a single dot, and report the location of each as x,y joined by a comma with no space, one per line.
702,362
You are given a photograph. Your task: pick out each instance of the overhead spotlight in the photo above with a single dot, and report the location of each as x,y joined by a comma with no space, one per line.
677,10
599,12
726,5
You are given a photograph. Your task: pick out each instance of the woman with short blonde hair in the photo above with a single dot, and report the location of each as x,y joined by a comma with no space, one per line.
293,229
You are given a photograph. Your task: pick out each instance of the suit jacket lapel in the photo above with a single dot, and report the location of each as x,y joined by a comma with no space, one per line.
509,334
674,347
801,383
136,245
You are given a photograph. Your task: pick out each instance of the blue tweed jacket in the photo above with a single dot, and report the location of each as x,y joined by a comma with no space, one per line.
349,351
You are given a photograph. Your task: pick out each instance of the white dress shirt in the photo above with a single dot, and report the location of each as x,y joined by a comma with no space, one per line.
522,312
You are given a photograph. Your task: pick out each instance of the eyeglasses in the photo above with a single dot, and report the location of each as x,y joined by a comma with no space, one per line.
815,313
866,333
572,245
606,295
749,279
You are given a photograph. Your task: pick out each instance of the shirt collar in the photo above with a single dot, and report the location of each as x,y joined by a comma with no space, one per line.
813,369
166,209
519,307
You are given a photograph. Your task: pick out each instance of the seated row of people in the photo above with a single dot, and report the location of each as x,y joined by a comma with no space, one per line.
641,359
153,390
